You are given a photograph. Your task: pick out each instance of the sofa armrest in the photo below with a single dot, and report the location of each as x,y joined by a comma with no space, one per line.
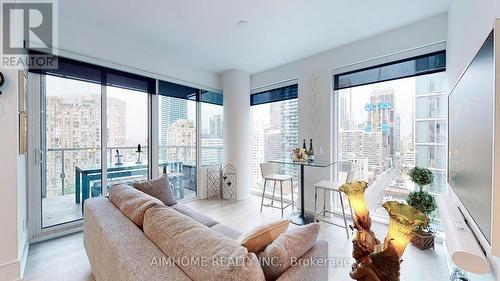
313,265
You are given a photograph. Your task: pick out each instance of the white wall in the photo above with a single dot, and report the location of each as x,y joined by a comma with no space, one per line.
134,55
12,184
469,23
319,67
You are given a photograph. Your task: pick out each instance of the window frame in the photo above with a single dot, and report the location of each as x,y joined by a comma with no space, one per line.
367,65
126,80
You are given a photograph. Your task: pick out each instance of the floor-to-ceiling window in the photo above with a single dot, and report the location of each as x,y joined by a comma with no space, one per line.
212,128
127,135
71,140
178,137
275,132
87,113
392,118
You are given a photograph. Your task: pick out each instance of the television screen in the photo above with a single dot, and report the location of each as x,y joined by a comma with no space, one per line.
470,137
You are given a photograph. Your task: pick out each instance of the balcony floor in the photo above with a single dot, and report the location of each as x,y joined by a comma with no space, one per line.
63,209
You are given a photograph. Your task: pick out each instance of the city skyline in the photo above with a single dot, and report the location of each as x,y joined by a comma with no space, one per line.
388,127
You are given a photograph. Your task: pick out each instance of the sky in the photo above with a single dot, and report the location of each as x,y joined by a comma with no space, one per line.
136,104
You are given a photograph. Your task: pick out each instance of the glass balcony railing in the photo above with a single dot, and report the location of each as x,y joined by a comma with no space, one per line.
61,164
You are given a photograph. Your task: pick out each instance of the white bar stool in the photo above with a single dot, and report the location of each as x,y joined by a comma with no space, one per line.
329,186
268,174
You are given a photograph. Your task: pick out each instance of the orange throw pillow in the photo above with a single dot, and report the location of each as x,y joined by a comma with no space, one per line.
257,240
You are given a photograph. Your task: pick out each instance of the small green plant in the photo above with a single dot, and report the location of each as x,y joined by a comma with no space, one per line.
422,200
421,176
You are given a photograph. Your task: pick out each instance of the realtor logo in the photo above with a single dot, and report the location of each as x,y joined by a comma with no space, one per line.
28,25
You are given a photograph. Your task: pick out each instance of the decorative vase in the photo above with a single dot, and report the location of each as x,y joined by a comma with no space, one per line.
423,240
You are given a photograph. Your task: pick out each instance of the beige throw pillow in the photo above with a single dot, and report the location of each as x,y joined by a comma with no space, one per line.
257,240
203,254
159,188
292,244
132,202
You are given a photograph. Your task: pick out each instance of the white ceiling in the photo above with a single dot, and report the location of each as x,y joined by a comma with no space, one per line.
205,34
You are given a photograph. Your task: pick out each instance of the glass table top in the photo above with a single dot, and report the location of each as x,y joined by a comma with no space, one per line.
315,163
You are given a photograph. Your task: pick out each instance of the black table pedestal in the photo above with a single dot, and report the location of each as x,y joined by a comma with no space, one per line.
301,218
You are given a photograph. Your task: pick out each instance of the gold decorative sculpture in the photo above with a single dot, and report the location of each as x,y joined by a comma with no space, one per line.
376,261
403,219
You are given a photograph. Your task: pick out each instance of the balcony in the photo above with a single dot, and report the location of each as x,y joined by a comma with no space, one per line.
74,174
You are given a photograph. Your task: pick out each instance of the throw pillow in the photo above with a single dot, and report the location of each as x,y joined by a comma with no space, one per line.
132,202
159,188
257,240
290,245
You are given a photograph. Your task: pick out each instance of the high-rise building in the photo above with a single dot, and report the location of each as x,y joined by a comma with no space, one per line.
273,148
381,118
74,129
430,126
257,150
171,110
359,145
275,135
216,127
284,123
181,140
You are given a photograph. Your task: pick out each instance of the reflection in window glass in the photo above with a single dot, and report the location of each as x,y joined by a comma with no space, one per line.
177,146
386,128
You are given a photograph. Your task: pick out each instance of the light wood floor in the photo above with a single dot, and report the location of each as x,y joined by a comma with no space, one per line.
65,259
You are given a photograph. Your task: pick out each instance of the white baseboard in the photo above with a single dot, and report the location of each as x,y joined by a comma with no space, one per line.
11,271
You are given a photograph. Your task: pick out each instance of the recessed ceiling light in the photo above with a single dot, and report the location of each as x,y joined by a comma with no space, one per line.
242,23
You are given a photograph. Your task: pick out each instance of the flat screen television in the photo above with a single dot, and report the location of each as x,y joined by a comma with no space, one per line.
470,137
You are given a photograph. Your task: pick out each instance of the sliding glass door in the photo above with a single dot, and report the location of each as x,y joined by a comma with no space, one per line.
127,135
93,127
212,127
71,141
178,143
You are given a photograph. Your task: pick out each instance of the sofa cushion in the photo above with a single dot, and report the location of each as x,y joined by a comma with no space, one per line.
210,256
290,245
118,250
159,188
257,240
132,202
190,212
226,231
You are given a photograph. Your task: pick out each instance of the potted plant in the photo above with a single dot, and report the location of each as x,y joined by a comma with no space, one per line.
422,200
